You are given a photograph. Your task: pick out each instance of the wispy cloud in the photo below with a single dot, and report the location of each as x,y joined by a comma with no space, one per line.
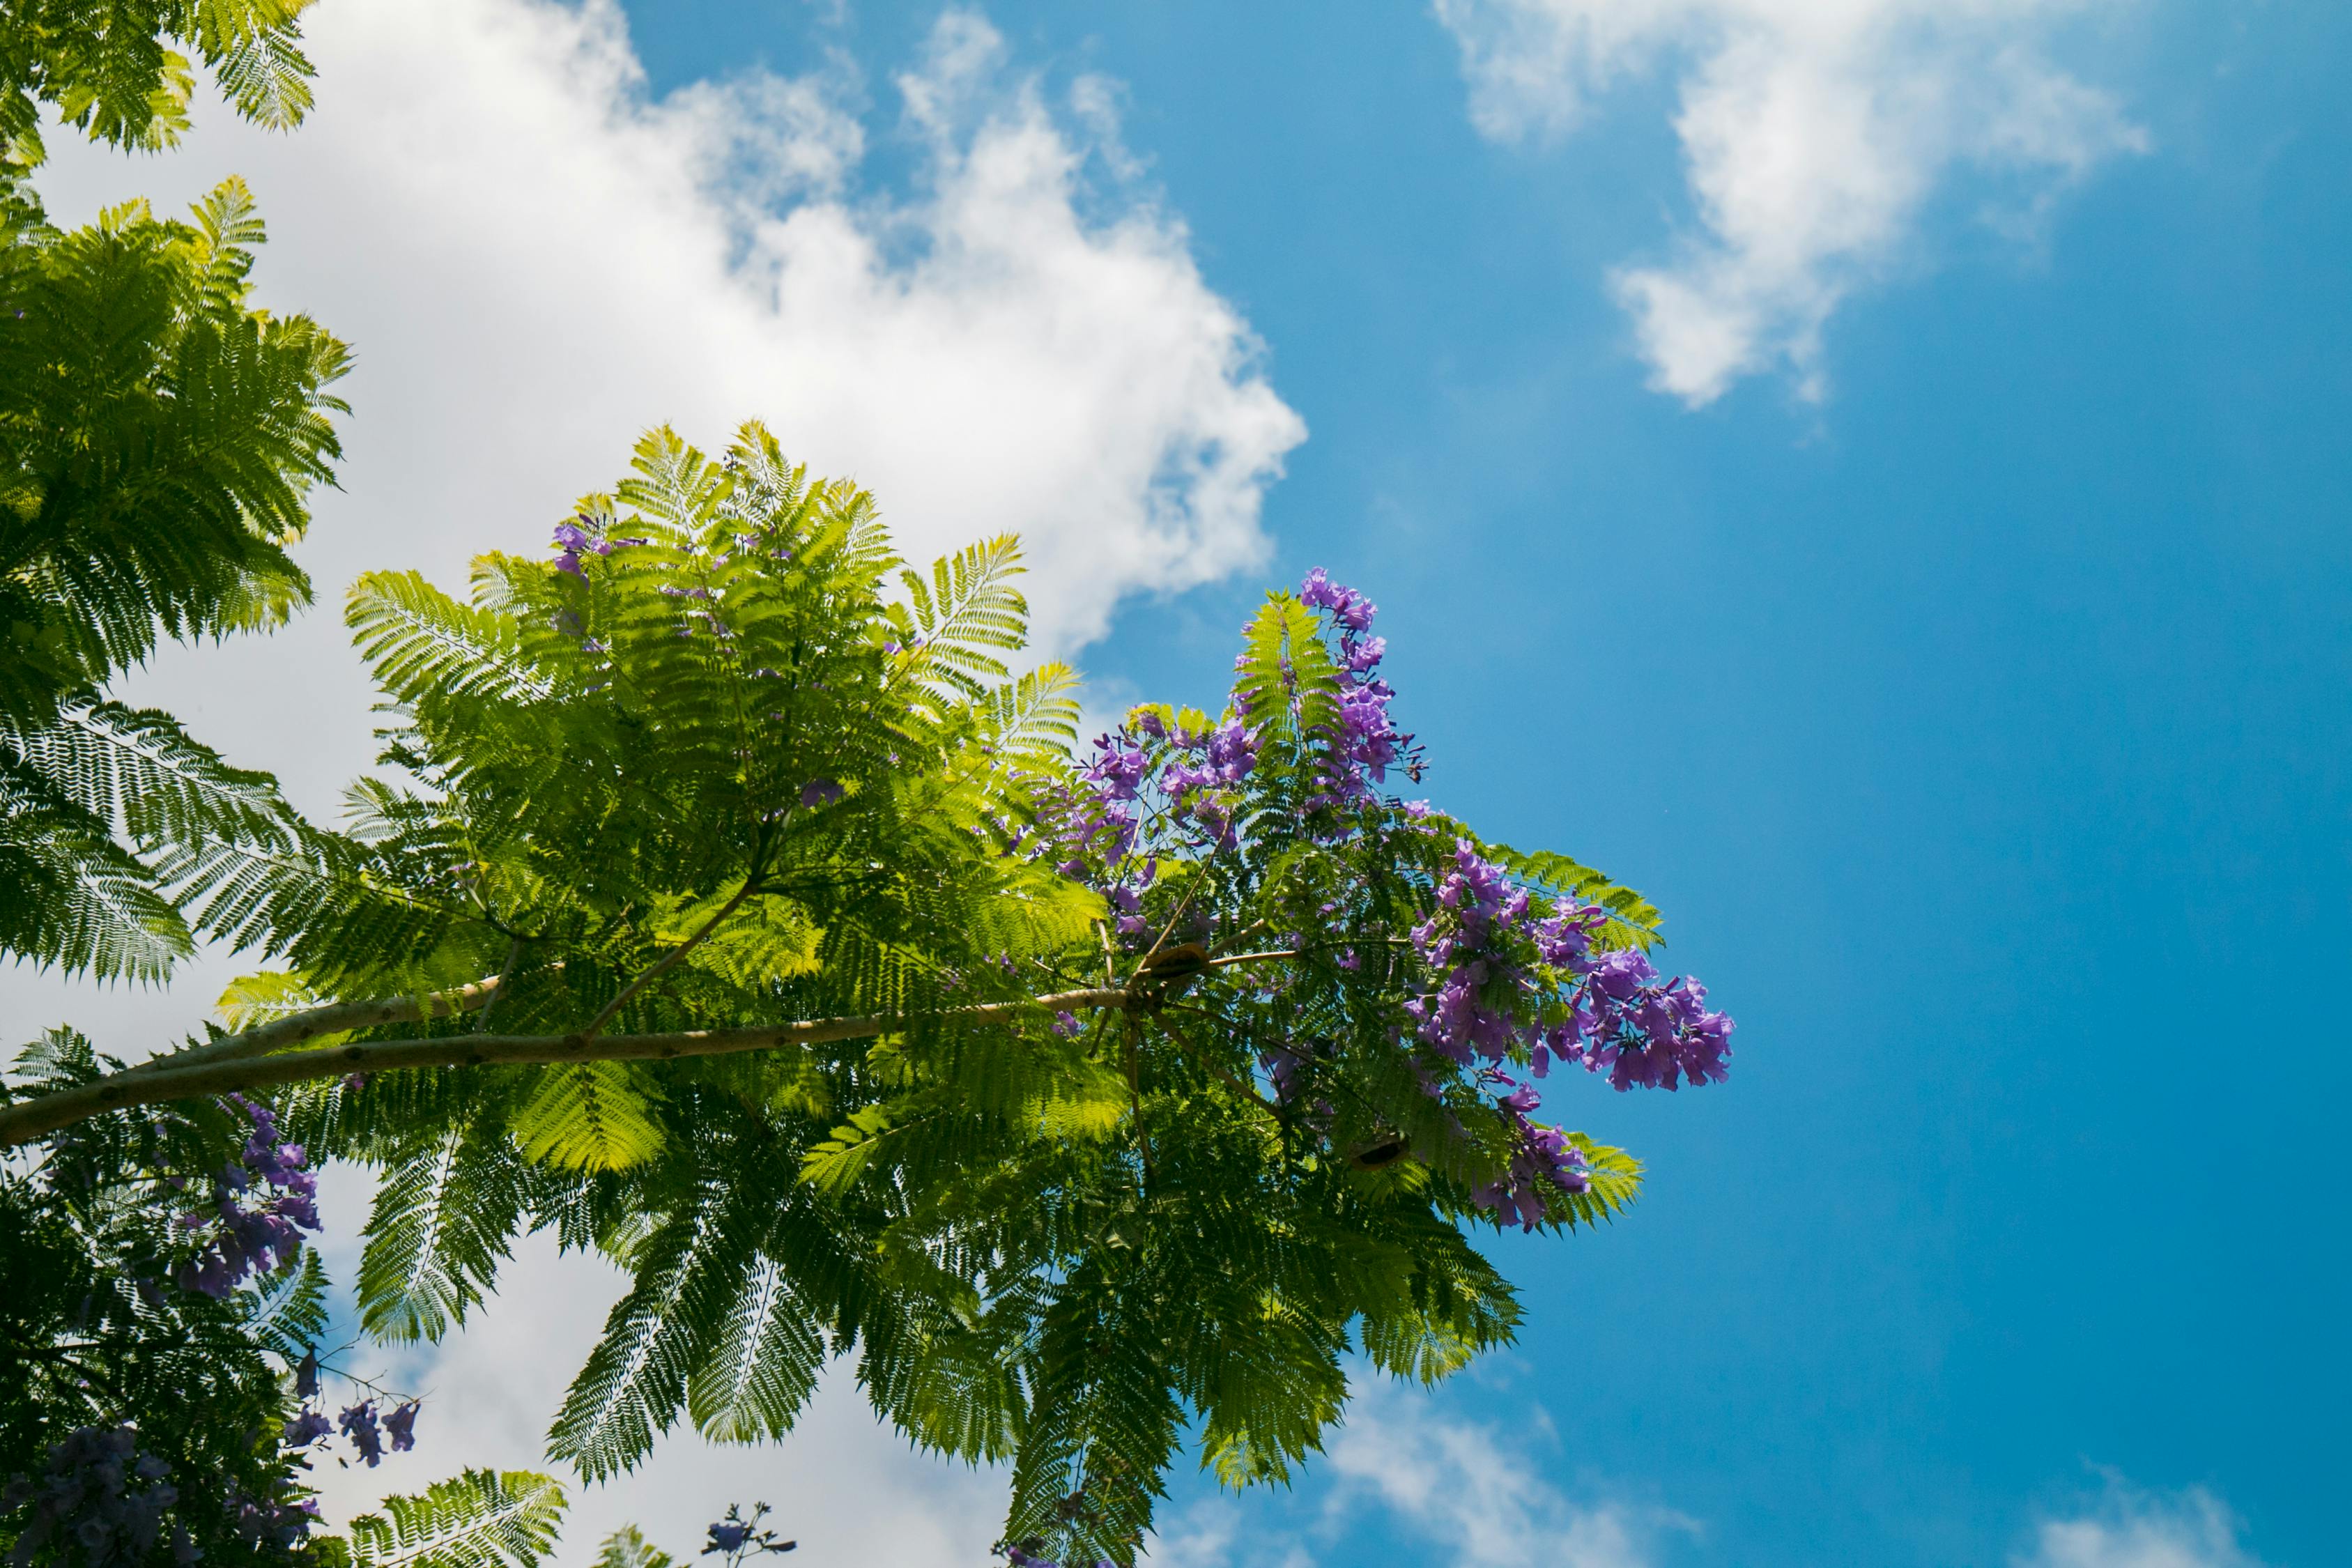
2132,1529
1814,133
1467,1493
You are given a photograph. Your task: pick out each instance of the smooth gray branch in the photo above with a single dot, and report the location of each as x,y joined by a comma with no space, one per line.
330,1018
182,1077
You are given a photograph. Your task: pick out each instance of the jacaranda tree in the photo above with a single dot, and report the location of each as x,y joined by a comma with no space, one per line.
726,903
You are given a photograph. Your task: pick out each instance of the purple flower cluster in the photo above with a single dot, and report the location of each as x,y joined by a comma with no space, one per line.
1626,1019
1622,1017
1365,742
573,539
358,1422
262,1204
98,1496
1543,1160
361,1424
1094,829
272,1521
1205,768
1469,938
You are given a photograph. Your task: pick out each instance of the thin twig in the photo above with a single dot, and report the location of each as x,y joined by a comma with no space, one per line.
596,1025
1135,1097
514,956
1229,1081
1251,957
1181,905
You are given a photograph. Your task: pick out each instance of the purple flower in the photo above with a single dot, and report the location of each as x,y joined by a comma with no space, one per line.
821,792
87,1497
306,1376
729,1538
358,1423
1066,1024
400,1427
1350,609
307,1427
262,1204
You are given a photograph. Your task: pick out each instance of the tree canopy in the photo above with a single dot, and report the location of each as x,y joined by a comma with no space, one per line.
730,900
727,905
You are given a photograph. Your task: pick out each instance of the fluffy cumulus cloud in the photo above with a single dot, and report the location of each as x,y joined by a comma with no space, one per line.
1814,133
2131,1529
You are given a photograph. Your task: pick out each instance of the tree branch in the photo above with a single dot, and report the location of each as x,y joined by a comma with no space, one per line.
333,1018
182,1078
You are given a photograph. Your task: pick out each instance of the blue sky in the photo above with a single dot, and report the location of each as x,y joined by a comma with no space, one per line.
1962,663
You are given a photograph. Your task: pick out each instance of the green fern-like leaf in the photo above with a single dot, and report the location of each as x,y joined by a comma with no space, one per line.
628,1548
1634,920
481,1519
591,1116
444,1219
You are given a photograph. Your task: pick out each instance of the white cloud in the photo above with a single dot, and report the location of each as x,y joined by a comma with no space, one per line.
1470,1490
1814,132
2131,1529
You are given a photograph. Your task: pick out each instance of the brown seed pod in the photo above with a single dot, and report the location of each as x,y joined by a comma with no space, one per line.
1172,969
1385,1151
1178,962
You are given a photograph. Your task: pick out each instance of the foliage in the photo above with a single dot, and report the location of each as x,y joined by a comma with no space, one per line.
95,1335
158,437
628,1548
1088,1107
113,71
481,1519
706,771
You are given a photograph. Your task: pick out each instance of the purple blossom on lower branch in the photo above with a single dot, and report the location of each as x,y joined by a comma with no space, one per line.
262,1204
400,1427
1546,1164
271,1521
305,1427
734,1538
358,1423
99,1493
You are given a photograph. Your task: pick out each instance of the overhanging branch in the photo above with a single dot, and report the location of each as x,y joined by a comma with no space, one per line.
185,1076
331,1018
